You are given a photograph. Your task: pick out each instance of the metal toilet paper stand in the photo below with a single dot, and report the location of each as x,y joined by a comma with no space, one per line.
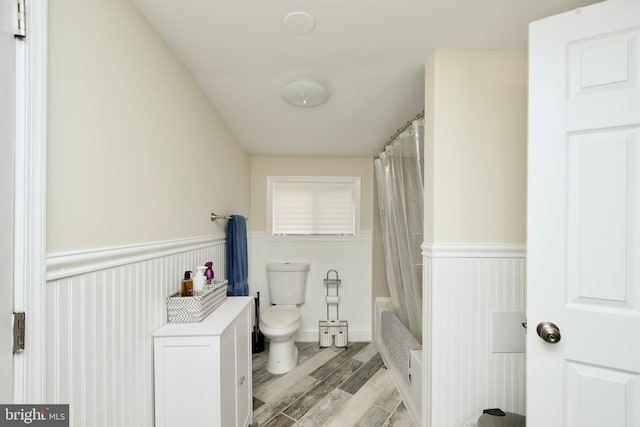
333,332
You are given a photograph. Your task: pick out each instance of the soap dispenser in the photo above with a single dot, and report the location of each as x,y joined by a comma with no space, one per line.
208,273
199,280
186,287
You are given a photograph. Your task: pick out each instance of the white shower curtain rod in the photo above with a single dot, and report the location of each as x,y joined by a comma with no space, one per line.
402,129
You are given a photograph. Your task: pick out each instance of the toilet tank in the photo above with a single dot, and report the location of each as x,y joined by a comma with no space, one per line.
287,282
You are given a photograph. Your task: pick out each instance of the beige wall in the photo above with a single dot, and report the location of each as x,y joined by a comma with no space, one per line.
429,115
476,109
136,152
263,166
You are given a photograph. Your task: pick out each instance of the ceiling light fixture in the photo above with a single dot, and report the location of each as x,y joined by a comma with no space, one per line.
299,23
304,93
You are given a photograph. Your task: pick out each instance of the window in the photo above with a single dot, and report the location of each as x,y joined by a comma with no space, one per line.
313,205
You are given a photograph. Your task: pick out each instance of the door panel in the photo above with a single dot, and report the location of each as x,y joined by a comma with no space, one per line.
228,403
601,178
588,387
601,64
583,217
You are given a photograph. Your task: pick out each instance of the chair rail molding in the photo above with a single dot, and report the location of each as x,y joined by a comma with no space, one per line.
63,265
474,250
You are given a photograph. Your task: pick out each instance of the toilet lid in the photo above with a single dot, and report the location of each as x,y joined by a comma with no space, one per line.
280,317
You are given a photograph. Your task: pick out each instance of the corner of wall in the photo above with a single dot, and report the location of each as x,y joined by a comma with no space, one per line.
473,250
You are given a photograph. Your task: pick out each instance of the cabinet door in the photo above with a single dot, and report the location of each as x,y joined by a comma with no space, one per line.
243,369
228,377
185,372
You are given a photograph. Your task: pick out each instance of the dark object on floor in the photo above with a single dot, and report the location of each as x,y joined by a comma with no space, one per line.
500,419
257,339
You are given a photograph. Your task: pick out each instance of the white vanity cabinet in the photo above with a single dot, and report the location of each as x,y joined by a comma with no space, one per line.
203,370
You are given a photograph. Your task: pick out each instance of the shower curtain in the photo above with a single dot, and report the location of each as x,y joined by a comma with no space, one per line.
399,179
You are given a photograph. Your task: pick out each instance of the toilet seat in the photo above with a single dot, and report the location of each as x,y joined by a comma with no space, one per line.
280,316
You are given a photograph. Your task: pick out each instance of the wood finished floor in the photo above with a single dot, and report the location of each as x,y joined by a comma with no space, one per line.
333,387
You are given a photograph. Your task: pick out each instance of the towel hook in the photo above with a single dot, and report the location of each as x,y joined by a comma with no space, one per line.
215,216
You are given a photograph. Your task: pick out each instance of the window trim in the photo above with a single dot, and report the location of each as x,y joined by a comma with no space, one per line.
352,180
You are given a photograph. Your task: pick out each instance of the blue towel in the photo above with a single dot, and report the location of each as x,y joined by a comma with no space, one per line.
237,259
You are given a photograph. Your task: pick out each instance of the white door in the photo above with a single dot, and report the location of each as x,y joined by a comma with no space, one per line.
7,109
584,217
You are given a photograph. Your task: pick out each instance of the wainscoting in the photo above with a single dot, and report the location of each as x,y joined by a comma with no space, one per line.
101,308
464,284
352,260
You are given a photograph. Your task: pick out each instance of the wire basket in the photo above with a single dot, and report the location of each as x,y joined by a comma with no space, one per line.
194,309
331,330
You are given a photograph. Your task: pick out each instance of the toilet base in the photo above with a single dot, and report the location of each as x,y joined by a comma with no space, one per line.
283,356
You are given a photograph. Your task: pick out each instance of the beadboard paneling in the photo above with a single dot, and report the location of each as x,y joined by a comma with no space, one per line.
350,257
464,290
99,320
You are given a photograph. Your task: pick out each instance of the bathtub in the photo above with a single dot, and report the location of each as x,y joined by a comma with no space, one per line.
405,366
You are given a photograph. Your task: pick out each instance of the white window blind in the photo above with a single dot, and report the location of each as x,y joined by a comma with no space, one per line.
327,206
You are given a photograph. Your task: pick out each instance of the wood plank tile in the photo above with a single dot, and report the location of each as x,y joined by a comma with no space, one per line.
330,387
276,385
388,397
357,380
374,417
401,417
325,409
299,408
259,360
367,353
325,370
281,401
358,405
262,376
307,350
257,403
279,421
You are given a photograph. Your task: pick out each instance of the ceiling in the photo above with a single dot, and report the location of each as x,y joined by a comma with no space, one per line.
369,54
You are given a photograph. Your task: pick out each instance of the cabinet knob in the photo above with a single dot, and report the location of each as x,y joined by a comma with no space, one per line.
241,380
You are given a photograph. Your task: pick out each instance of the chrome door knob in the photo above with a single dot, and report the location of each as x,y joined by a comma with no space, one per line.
548,332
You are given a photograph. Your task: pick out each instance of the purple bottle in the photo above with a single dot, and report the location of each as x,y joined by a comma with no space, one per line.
208,273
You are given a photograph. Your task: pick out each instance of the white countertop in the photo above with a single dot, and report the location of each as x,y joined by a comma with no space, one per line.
213,324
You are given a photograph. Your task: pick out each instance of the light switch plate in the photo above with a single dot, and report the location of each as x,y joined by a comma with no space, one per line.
507,333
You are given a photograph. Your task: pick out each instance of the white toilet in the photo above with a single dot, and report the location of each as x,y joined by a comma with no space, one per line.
279,323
